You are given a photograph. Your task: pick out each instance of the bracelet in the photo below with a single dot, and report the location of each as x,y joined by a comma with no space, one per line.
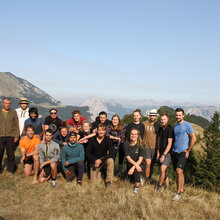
164,154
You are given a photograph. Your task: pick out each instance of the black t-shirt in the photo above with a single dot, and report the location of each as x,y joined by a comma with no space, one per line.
53,125
139,127
164,134
83,134
133,151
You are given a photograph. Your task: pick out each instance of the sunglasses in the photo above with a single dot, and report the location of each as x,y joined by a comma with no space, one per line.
53,113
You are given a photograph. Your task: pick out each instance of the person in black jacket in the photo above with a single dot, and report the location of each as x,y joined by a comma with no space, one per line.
61,136
101,119
100,155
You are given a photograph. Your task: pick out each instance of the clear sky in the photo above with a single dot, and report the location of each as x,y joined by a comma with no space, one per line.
161,50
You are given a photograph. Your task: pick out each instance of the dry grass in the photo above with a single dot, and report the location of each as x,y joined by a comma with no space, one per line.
21,200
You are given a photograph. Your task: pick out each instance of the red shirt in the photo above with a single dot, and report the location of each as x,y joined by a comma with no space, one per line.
72,122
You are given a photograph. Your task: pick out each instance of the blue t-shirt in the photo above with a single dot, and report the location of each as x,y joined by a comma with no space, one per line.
182,136
37,123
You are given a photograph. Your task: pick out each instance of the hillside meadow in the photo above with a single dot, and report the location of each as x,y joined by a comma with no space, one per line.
21,200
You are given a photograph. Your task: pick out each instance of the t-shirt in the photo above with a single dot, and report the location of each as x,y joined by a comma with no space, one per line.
29,145
53,124
150,134
139,127
75,124
182,136
164,134
22,116
37,123
133,151
5,114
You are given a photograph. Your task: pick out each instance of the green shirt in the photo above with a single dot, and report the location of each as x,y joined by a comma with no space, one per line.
5,114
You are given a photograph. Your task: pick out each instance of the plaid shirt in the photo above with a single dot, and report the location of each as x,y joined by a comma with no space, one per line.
121,135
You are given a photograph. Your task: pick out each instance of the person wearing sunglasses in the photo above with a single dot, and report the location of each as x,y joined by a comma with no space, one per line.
52,121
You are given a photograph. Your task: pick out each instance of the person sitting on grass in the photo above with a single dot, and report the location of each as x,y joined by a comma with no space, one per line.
72,158
100,154
49,153
134,154
29,152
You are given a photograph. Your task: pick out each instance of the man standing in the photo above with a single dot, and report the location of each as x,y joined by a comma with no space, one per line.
76,121
22,113
49,153
165,140
29,152
73,159
185,139
9,133
149,141
35,121
100,154
101,119
52,122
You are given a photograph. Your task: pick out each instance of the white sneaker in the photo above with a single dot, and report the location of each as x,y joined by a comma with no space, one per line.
136,189
53,183
176,197
142,181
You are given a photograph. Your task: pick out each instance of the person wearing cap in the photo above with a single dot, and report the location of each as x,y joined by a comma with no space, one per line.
149,141
22,113
9,133
52,121
72,158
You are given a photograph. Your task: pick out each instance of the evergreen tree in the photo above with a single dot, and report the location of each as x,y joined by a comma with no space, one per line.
208,171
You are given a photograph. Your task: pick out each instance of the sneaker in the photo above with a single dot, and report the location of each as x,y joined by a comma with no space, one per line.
108,184
148,180
53,183
159,189
136,189
176,197
11,173
142,181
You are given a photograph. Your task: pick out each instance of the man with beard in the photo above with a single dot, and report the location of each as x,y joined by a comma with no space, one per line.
49,153
149,141
29,152
52,121
35,121
185,139
165,141
9,133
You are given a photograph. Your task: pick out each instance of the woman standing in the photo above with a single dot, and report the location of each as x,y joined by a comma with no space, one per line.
116,132
135,155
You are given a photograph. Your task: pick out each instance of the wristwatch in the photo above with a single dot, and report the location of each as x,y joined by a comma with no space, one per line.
25,155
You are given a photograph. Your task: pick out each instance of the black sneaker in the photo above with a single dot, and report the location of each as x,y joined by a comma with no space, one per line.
108,184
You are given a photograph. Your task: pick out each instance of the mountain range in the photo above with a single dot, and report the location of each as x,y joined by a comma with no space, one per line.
15,87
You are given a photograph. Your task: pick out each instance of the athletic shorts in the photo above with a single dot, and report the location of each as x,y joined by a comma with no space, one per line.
167,160
47,170
179,160
150,153
28,161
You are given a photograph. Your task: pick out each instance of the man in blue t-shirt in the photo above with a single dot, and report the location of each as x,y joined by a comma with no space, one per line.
185,139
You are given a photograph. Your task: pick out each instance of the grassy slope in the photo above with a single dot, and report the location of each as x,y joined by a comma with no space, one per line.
21,200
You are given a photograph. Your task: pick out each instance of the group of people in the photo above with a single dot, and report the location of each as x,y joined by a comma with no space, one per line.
51,146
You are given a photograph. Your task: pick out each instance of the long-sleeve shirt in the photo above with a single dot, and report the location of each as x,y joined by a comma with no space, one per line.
115,133
96,150
49,152
58,138
9,126
72,154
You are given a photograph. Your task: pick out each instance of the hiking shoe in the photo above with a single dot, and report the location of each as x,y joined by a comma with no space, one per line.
159,189
108,184
142,181
176,197
53,183
79,184
11,173
136,189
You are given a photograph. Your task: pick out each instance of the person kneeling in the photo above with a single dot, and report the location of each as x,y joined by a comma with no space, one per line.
73,159
49,153
135,154
29,152
100,154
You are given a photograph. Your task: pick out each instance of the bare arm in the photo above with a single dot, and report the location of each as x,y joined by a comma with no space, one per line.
192,143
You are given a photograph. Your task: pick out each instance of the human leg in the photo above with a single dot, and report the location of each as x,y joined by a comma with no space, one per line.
110,170
36,167
10,154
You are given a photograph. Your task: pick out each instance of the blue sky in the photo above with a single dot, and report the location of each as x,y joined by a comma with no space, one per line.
161,50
